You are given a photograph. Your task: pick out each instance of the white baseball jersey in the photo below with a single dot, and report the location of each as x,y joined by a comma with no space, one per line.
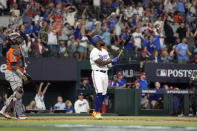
137,39
81,106
40,102
99,74
96,54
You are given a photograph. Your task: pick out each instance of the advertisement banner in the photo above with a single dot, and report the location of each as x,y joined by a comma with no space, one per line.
169,73
129,71
47,69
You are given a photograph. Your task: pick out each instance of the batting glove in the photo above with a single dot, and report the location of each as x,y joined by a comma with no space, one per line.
114,61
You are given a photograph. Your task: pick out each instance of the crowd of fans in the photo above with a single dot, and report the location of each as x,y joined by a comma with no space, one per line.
161,30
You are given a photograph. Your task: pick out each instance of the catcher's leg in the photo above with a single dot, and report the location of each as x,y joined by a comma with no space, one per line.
18,104
7,104
15,83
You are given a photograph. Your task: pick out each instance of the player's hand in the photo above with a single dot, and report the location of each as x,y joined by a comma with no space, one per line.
115,60
42,83
114,63
24,78
48,84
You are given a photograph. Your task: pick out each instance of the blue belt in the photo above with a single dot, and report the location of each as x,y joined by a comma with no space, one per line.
103,71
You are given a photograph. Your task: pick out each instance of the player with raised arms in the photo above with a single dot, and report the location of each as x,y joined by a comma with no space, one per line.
15,76
99,59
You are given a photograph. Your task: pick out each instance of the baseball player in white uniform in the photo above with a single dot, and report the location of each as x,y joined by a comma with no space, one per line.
99,59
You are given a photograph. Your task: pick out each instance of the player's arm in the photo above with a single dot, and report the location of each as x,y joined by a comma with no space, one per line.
45,89
18,72
100,62
189,53
111,85
2,5
40,88
123,86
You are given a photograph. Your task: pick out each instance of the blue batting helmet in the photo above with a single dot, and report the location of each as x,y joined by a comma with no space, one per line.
95,39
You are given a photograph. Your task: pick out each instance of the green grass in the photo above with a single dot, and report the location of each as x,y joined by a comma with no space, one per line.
32,129
108,120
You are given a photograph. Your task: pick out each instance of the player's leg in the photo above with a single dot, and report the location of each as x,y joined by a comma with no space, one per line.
8,103
18,98
16,85
18,104
105,85
10,77
97,81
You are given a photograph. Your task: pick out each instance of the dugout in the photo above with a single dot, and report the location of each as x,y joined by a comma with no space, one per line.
65,89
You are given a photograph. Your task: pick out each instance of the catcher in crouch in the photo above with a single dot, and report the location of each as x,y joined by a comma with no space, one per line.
15,76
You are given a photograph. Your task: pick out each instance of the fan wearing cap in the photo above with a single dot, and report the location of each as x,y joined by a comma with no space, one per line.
121,81
15,76
81,105
136,85
144,86
99,59
114,83
143,82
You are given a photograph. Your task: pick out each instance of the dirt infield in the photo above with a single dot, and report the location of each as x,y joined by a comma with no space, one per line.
37,119
109,123
113,120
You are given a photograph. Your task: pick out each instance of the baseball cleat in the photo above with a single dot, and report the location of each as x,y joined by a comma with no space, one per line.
21,117
5,115
94,114
98,116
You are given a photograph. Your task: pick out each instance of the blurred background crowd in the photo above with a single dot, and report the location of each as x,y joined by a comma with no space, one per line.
161,30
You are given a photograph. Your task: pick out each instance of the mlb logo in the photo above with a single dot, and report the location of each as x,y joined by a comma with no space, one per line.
161,72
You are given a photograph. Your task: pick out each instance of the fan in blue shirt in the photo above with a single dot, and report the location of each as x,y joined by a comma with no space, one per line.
36,29
143,82
114,83
121,81
129,46
107,37
156,42
47,16
116,3
180,6
182,51
155,98
113,20
69,108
